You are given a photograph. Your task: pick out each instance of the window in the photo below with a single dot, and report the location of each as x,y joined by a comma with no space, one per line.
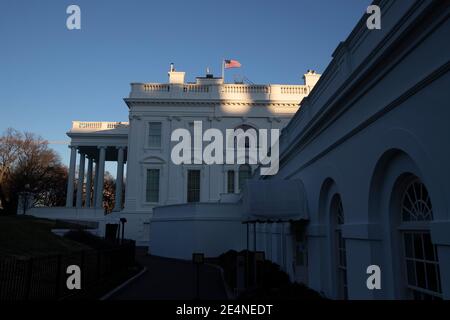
196,136
245,173
152,190
337,213
230,181
154,134
193,187
250,132
416,203
420,255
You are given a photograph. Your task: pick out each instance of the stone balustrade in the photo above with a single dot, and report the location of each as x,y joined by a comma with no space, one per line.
92,126
244,92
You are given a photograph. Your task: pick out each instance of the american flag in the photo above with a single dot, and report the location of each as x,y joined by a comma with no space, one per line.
232,64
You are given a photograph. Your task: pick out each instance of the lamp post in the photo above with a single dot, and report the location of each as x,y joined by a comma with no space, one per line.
25,196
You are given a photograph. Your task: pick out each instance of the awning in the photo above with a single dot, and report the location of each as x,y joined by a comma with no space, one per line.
276,199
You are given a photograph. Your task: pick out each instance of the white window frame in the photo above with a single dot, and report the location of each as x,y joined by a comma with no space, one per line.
144,182
186,168
416,227
147,137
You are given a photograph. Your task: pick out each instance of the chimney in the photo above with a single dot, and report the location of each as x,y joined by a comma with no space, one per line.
175,77
311,78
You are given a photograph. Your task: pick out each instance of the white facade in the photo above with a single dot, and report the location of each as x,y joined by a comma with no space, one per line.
177,105
367,151
144,145
369,144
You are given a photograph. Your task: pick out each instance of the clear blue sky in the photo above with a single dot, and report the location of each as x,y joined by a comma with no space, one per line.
50,76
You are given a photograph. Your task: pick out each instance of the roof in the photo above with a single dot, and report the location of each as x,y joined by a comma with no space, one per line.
276,199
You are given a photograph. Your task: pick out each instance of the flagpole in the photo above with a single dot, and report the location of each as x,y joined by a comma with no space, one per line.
223,70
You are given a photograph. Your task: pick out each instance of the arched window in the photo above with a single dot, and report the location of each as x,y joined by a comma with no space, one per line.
419,254
253,132
245,172
337,216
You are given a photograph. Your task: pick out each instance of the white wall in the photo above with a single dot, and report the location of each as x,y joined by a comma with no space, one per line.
355,135
177,231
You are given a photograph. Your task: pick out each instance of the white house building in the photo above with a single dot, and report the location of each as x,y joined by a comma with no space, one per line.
363,179
144,145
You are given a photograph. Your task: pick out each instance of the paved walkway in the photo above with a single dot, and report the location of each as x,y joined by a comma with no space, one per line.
172,279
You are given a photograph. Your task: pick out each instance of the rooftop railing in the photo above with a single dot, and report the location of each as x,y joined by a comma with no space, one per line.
292,93
90,126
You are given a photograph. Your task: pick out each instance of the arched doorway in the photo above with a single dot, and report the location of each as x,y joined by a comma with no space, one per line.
412,208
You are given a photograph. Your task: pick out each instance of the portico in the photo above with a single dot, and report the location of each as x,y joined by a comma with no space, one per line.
94,143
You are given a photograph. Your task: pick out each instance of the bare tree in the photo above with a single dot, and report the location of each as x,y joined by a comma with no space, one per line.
109,192
28,164
9,150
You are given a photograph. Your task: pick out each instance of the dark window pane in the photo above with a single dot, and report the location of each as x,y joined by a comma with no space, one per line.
230,181
418,250
411,272
245,172
438,275
431,277
416,203
428,247
152,192
405,216
193,186
408,245
420,269
154,134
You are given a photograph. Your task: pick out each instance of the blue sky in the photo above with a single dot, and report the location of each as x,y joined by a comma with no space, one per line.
50,76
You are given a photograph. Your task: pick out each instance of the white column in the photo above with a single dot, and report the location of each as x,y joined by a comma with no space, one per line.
101,175
119,179
94,196
236,181
70,182
79,202
89,182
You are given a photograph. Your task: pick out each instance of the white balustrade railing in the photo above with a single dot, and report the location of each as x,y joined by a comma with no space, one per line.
243,92
195,88
245,88
97,125
154,87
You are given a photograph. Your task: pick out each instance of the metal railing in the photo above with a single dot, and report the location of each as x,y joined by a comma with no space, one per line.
44,278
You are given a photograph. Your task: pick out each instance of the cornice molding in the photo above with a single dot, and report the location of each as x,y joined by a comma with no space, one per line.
147,102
